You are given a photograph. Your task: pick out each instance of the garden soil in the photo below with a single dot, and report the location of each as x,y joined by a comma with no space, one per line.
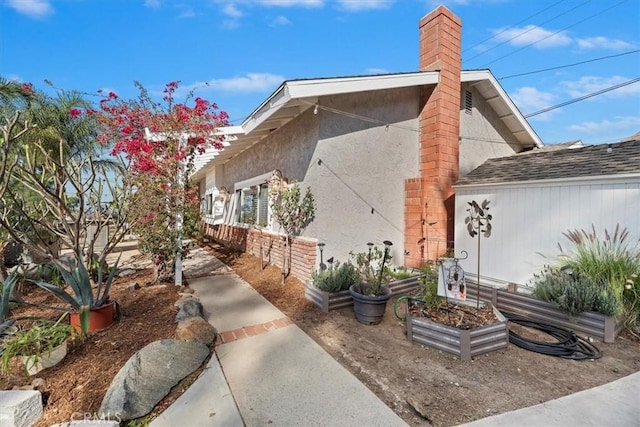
426,386
423,386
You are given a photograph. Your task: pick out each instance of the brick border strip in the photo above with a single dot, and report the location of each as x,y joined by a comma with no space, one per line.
249,331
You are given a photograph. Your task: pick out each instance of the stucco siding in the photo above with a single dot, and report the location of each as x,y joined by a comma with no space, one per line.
359,185
528,222
483,134
289,149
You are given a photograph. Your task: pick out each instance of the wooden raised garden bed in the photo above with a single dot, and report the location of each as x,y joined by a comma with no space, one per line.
463,343
592,324
327,301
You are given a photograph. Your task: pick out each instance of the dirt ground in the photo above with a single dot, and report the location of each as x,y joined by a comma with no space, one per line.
77,385
426,386
421,385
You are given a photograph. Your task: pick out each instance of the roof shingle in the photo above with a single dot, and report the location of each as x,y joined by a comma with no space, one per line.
588,161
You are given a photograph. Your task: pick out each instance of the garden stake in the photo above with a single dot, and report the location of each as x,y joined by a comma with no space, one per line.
477,219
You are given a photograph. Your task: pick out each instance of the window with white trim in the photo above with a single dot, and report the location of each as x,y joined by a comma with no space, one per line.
253,201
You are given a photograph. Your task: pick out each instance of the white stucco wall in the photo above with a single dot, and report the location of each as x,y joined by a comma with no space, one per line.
364,166
529,219
483,134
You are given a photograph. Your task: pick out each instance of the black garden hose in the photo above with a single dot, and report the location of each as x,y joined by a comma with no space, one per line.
568,346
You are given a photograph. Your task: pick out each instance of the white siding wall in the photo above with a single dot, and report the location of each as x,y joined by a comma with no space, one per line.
529,219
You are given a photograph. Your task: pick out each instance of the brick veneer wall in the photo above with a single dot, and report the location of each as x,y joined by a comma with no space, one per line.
303,251
429,202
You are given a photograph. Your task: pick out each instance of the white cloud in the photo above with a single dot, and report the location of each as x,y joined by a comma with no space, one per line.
591,84
230,24
31,8
154,4
232,11
535,36
186,11
603,43
290,3
356,5
249,83
280,21
377,71
619,123
529,99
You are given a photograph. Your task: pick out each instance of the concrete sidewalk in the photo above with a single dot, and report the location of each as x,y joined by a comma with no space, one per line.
268,371
275,373
613,404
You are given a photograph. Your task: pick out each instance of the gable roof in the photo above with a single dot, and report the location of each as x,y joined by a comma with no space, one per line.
590,161
293,97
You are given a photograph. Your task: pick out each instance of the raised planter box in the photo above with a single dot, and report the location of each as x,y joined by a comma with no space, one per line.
327,301
590,323
463,343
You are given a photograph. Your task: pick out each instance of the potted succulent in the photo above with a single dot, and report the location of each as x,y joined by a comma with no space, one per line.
370,296
39,347
91,310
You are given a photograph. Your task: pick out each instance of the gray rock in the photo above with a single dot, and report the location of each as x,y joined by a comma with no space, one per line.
190,308
183,299
133,286
196,329
127,272
149,376
20,408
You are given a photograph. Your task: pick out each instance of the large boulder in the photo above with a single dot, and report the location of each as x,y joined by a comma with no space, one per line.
191,307
149,376
195,329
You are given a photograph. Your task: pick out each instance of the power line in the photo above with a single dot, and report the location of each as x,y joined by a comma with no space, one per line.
582,98
512,26
569,65
553,34
529,30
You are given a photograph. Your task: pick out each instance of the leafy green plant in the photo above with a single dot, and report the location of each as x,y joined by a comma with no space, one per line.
339,277
429,290
610,261
575,293
293,212
39,339
374,268
82,297
7,290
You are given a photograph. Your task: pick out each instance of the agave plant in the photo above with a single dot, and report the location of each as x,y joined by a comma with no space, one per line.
81,297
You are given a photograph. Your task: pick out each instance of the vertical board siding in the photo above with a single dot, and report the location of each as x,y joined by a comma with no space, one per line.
529,222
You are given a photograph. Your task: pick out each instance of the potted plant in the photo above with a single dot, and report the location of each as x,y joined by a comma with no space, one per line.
92,310
370,296
329,287
39,347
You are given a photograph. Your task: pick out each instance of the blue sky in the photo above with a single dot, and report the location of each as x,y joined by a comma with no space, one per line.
243,50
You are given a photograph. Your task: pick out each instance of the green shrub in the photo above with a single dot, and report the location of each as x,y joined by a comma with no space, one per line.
429,290
575,294
612,262
337,278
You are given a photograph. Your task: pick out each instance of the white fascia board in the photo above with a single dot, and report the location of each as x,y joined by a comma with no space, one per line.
554,182
266,109
476,75
336,86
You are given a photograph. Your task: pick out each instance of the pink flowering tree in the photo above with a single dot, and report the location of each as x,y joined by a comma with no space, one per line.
161,140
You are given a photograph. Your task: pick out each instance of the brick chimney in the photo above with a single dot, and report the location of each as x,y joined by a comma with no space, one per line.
429,204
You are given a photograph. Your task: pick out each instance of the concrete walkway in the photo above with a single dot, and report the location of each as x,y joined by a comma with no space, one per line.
613,404
267,371
270,370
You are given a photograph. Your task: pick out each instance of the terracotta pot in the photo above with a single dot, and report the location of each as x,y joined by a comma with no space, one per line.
99,318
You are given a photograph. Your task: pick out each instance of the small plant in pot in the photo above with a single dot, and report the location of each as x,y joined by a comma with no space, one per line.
370,296
41,346
92,310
